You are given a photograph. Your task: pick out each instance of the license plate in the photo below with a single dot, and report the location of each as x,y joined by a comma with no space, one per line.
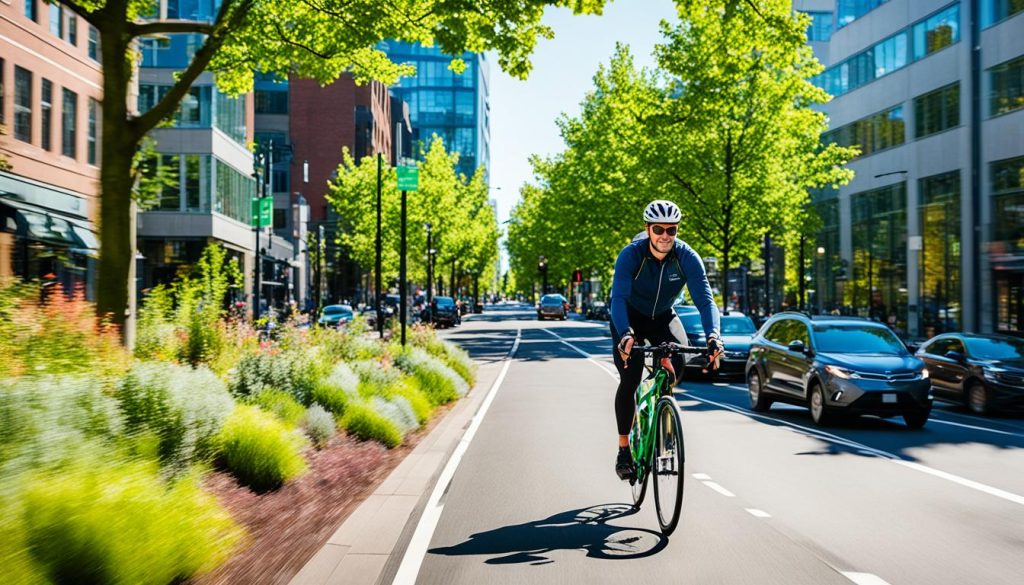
888,399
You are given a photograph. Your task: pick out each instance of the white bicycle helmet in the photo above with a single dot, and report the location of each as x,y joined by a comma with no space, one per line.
662,211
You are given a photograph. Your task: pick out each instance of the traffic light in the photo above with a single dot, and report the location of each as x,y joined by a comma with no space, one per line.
577,276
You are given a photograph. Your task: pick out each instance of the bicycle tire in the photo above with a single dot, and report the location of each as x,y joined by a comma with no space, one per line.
639,488
669,464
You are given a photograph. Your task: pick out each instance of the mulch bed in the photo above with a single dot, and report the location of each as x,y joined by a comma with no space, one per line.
286,527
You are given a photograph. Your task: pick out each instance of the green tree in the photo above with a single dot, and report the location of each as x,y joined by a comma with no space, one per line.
737,140
319,39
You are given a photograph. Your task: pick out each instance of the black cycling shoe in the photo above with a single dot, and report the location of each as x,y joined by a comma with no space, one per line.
624,464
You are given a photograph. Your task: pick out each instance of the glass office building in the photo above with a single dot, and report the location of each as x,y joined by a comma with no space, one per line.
929,235
452,106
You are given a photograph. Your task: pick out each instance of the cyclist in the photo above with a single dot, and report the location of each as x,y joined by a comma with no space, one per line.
649,274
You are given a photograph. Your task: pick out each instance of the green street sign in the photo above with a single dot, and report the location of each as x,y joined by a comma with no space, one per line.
262,212
408,178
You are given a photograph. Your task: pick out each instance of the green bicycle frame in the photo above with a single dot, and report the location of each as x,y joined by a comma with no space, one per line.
641,435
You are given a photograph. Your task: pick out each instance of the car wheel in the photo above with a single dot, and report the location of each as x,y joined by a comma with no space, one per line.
816,402
978,399
915,419
758,401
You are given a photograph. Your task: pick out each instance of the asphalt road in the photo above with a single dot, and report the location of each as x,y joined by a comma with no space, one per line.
768,499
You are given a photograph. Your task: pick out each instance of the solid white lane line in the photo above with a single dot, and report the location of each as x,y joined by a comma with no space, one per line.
932,419
611,373
417,549
719,489
864,578
862,448
701,476
758,513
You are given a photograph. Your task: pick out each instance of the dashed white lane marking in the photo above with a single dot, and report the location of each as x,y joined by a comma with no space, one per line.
701,476
862,448
417,549
719,489
758,513
864,578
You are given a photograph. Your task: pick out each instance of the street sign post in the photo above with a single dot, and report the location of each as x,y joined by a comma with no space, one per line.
408,178
262,212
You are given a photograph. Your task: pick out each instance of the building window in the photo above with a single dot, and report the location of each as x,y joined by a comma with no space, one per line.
3,112
827,269
271,101
890,55
994,11
878,288
937,32
91,136
1007,86
30,10
939,211
820,29
69,122
22,104
850,10
73,28
57,20
229,116
1007,245
193,182
937,110
46,108
94,43
872,134
234,194
170,196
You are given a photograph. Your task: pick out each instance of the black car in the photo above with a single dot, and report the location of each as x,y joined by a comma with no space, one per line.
737,332
983,372
598,311
444,312
553,307
837,365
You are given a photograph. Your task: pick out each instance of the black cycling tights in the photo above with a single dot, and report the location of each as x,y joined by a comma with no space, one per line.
648,331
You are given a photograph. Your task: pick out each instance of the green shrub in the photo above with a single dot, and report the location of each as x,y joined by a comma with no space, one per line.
280,404
452,355
320,425
43,419
109,521
397,410
376,379
260,450
332,398
297,372
363,422
184,408
436,380
419,402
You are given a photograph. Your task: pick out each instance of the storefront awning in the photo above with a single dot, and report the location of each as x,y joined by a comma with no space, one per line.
38,225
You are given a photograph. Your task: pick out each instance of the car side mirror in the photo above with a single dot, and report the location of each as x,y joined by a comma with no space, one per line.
797,346
956,356
913,347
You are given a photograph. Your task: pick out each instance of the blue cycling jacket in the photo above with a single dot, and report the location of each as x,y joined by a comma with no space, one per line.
650,286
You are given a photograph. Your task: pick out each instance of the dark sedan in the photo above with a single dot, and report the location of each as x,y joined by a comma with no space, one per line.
444,312
837,365
553,307
598,311
983,372
737,332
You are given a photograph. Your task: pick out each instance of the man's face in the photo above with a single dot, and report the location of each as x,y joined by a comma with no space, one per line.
662,242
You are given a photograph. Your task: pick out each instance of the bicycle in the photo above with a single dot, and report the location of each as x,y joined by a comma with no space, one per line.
656,438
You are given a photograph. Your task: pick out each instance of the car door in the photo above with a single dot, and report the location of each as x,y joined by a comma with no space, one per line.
774,353
955,371
934,357
793,364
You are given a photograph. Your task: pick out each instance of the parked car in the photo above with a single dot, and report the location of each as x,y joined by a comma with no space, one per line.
443,311
837,365
553,307
737,332
983,372
599,311
336,316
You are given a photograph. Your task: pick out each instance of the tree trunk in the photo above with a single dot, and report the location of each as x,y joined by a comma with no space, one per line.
724,271
119,146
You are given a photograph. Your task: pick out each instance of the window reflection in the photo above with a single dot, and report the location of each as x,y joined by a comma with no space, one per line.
878,288
940,253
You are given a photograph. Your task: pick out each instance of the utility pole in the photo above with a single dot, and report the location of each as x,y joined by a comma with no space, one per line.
803,287
377,295
256,222
767,274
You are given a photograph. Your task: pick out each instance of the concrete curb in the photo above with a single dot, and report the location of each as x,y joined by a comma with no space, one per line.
368,546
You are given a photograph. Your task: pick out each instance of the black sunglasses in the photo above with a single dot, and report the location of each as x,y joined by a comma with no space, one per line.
658,230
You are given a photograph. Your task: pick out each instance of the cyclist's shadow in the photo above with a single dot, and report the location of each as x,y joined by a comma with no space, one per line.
585,529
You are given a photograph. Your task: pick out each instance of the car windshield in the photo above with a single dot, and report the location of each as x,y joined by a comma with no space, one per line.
737,326
335,310
856,339
995,348
444,301
691,323
551,301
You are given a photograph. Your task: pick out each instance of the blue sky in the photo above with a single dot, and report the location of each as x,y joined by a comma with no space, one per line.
523,113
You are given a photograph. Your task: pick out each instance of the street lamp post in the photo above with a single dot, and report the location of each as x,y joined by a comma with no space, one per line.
430,261
542,267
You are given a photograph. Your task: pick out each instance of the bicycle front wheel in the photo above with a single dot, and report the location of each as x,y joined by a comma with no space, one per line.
669,462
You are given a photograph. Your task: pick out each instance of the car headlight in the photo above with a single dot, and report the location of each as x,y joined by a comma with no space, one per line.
992,374
841,372
924,374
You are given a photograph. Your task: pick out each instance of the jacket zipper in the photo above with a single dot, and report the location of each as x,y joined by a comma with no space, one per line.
657,295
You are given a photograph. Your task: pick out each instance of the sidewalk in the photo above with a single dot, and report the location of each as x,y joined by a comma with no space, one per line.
368,546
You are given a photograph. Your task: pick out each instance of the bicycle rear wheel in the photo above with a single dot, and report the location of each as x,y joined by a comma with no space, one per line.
669,463
639,485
